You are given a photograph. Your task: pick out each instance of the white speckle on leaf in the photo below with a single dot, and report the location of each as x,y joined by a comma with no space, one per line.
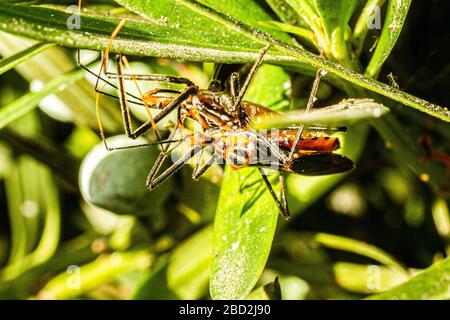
235,245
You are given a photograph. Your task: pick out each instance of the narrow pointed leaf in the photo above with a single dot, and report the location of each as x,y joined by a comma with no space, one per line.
344,113
430,284
29,101
246,214
10,62
155,39
393,25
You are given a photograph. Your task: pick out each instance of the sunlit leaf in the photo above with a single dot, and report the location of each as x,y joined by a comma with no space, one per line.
393,25
344,113
430,284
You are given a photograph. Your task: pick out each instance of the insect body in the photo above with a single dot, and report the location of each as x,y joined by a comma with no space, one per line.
227,123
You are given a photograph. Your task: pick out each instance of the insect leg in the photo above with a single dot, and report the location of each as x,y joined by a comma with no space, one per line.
249,78
234,86
162,156
155,182
198,171
311,100
198,163
176,103
284,201
283,209
151,77
135,100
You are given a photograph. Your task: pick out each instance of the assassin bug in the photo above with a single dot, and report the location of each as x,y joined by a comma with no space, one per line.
224,116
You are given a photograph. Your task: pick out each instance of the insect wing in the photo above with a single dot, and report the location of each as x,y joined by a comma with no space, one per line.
317,164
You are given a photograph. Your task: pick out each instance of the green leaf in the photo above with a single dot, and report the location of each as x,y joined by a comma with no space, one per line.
237,43
270,291
430,284
393,25
329,21
246,213
270,87
10,62
145,37
304,33
441,217
182,274
359,247
335,16
29,101
189,266
153,285
308,13
124,193
244,227
51,64
34,216
285,12
366,278
361,28
319,62
293,288
79,280
53,156
344,113
174,14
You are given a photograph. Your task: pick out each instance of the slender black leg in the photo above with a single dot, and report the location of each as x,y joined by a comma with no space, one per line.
248,80
155,182
199,171
283,210
145,77
176,103
234,86
150,77
311,100
284,201
198,163
162,156
142,145
217,69
134,134
238,99
160,160
123,103
83,66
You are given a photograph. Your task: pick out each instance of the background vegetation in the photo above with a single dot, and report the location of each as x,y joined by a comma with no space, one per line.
78,222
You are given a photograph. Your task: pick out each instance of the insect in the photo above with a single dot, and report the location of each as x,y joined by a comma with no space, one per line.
227,127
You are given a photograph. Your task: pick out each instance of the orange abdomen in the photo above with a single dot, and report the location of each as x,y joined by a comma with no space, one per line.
309,142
